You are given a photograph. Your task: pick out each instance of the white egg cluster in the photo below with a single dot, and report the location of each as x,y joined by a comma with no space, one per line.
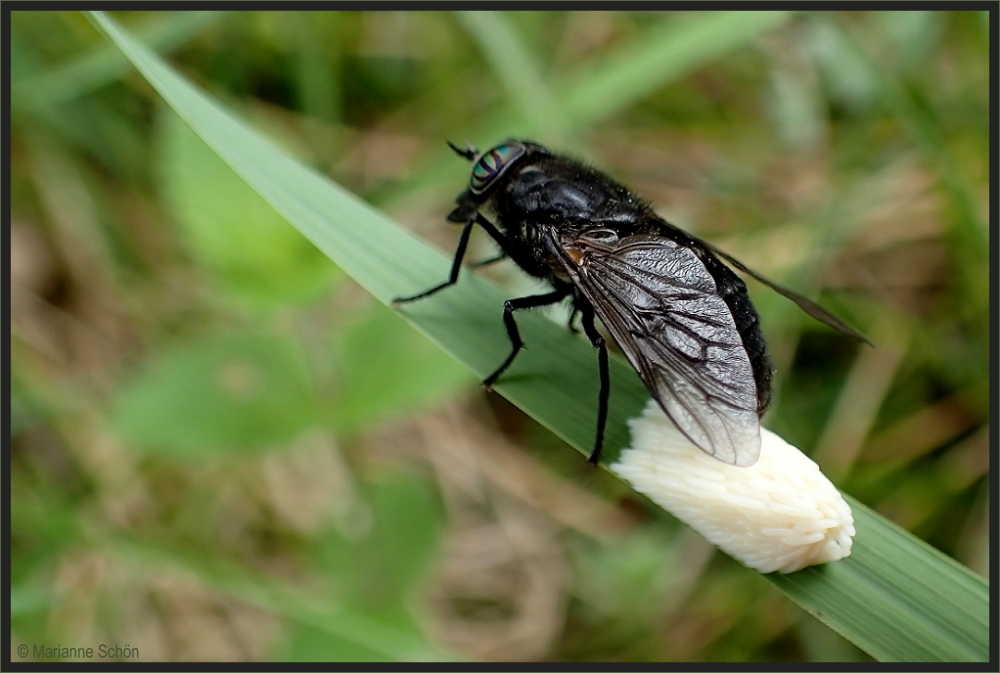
779,514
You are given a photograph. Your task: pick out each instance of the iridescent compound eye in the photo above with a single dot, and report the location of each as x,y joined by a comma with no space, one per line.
492,164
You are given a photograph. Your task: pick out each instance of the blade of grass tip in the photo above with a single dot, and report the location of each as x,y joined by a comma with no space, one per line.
663,54
390,262
518,70
105,64
305,198
945,607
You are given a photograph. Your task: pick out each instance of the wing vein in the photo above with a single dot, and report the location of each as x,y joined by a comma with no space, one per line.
659,302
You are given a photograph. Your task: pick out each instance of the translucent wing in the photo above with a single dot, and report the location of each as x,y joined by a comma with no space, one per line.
661,306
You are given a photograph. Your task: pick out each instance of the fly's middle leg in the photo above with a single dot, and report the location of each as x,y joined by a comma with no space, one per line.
509,307
602,399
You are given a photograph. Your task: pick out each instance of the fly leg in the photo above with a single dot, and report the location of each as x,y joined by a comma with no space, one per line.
470,218
572,316
509,307
602,399
456,266
491,260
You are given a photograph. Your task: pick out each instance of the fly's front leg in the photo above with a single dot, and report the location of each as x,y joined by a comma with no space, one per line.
456,267
494,233
602,404
463,213
509,307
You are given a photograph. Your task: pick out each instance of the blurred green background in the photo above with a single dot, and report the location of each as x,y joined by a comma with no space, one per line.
222,448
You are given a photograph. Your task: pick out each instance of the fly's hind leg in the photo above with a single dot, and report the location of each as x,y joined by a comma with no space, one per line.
509,307
602,399
572,316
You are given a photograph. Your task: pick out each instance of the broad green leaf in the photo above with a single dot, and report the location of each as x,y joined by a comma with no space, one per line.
255,254
895,596
378,568
358,632
383,560
384,368
218,394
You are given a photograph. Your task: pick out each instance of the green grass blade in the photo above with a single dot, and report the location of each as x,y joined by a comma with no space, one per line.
517,69
105,65
895,597
666,52
913,602
671,50
282,598
925,129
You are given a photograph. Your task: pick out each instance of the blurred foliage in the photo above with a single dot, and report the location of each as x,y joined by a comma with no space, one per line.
222,449
230,229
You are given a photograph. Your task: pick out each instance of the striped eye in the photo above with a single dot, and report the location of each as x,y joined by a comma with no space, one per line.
492,164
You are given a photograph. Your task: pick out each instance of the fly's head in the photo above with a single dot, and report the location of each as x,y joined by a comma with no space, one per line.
489,169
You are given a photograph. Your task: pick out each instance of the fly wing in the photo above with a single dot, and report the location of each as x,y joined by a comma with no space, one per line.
660,304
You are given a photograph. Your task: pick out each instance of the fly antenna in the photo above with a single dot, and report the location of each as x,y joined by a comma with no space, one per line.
469,152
